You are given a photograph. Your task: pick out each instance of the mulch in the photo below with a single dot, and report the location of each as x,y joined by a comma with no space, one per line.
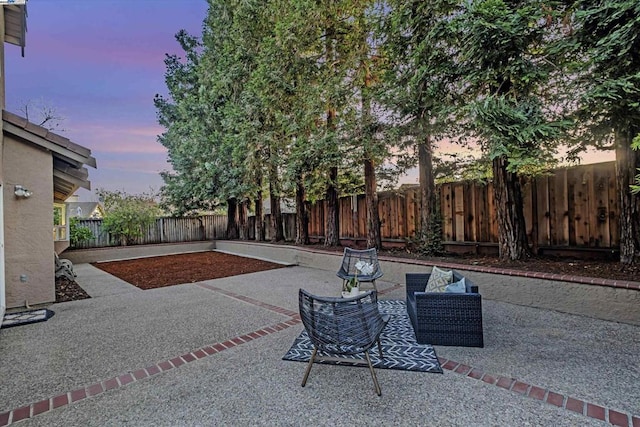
160,271
67,290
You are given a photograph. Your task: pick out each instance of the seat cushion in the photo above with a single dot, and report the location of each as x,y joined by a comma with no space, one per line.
438,280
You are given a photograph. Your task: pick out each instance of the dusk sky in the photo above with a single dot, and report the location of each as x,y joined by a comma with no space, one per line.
99,63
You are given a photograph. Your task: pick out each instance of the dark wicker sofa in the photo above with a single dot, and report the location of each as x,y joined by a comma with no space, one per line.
444,318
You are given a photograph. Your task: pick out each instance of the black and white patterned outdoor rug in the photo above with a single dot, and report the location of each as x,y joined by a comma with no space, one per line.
399,346
26,317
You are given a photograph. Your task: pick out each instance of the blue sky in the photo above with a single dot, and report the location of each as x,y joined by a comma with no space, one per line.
99,63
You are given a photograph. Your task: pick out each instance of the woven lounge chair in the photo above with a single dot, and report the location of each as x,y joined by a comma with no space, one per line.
348,268
342,327
440,318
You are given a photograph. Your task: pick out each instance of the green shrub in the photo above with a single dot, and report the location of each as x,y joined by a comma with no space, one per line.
77,233
126,215
429,242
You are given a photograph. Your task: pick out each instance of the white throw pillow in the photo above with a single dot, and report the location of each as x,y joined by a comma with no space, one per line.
459,287
438,280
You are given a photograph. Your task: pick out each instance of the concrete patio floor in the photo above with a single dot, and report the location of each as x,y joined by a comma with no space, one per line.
210,353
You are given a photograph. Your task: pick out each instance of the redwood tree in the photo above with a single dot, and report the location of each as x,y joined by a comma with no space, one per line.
419,90
504,49
606,39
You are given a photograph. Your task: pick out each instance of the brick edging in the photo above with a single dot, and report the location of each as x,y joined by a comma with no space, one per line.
573,404
119,381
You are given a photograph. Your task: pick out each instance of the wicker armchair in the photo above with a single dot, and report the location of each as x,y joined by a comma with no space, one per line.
445,318
342,327
348,268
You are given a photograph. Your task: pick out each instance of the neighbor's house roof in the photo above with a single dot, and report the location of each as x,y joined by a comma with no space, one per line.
84,209
15,25
286,206
69,158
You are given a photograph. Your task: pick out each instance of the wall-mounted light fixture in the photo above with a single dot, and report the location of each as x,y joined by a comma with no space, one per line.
22,192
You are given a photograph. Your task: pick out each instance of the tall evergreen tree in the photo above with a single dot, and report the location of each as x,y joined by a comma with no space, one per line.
419,89
190,186
607,42
505,54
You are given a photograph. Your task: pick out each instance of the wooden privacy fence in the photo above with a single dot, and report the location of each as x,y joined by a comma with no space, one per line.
572,207
164,230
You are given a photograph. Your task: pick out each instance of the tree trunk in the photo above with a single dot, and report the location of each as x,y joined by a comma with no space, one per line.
302,217
427,185
535,247
370,187
332,231
512,235
242,220
276,214
371,195
627,162
232,221
259,219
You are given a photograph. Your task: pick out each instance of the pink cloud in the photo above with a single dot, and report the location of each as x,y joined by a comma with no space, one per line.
144,166
118,138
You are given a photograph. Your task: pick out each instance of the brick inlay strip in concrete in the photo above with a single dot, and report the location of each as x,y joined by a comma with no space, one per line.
249,300
122,380
569,403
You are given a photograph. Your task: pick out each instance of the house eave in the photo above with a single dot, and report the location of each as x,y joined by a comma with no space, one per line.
15,25
69,158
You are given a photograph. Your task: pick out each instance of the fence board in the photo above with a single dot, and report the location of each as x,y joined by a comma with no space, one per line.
401,204
592,212
469,214
361,226
482,213
601,199
581,201
493,218
527,208
614,213
458,206
543,213
394,216
447,209
558,207
410,212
